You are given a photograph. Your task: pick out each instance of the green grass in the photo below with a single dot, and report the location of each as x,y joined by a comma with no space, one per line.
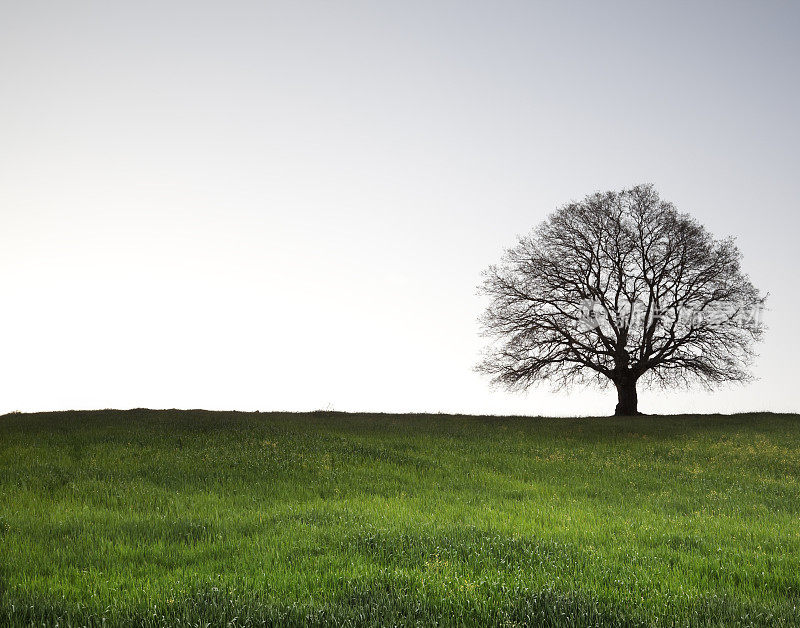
191,518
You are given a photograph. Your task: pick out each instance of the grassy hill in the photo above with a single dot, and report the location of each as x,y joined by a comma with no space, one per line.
185,517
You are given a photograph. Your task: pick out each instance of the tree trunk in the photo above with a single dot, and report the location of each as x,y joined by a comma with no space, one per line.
628,403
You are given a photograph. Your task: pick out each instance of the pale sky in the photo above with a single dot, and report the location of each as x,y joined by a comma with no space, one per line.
287,206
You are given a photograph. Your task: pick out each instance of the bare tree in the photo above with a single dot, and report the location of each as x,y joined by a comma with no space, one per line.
620,288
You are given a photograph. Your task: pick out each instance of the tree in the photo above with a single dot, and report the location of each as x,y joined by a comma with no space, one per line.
620,288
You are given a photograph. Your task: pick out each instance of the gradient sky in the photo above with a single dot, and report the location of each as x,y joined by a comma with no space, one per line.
287,206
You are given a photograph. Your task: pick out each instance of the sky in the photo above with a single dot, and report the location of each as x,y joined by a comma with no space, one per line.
288,205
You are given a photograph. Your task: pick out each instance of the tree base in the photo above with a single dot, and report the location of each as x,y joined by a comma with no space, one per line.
627,399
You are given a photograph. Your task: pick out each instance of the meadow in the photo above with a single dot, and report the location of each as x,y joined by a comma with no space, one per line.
206,518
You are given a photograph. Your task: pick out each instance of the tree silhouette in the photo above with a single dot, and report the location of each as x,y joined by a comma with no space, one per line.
621,288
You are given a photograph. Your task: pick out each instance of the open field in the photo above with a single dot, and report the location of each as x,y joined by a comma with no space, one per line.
166,517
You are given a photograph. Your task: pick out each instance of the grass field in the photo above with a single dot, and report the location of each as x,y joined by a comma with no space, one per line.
190,518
